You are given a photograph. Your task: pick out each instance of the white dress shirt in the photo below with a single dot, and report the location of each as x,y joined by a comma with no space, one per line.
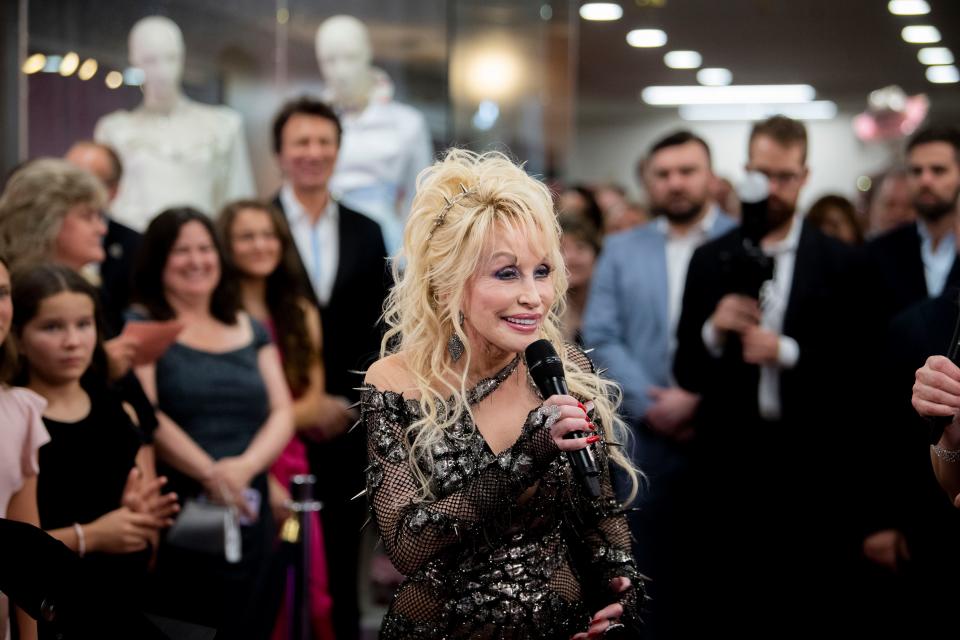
774,296
317,242
938,262
679,250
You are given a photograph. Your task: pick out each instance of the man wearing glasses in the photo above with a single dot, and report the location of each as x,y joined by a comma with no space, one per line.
771,433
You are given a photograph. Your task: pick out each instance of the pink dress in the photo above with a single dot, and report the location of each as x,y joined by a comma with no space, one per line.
21,435
292,462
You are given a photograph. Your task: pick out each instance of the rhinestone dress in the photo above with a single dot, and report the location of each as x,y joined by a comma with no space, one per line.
479,563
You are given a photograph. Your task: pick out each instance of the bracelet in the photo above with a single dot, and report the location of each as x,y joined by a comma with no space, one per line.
81,540
947,455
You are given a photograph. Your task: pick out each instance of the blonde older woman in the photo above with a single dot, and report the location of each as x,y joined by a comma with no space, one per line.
473,499
52,211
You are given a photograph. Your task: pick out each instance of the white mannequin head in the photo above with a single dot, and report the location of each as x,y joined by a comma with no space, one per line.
156,47
344,53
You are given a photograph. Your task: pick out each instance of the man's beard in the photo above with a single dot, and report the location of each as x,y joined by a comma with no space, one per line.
933,211
679,217
778,213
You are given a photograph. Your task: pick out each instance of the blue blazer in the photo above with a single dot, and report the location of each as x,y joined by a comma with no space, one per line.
626,314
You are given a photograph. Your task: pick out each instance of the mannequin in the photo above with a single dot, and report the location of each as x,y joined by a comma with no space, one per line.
175,151
385,144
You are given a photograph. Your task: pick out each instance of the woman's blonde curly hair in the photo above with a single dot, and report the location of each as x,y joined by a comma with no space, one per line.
34,203
477,194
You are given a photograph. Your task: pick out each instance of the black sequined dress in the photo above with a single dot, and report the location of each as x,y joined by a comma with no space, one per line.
480,563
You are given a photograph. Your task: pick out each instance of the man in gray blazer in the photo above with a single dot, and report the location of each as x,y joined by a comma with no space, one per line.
631,321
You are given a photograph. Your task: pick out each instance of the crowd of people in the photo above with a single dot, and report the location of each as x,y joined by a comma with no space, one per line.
774,471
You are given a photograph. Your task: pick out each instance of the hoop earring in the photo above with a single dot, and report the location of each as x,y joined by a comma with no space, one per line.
455,346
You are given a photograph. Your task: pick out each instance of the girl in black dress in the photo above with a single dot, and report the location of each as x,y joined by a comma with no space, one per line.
94,492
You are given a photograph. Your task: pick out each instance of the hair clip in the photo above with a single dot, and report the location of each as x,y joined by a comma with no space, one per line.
464,192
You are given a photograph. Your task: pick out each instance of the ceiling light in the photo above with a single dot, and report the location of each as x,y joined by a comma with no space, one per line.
817,110
682,59
646,38
733,94
601,11
943,74
908,7
714,76
88,69
935,55
34,64
920,34
114,79
69,64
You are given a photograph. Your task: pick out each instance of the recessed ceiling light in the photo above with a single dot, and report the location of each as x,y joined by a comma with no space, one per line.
714,76
88,69
34,64
646,38
920,34
908,7
817,110
943,74
935,55
682,59
601,11
733,94
69,64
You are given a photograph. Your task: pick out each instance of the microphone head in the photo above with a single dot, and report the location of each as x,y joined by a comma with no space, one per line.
543,361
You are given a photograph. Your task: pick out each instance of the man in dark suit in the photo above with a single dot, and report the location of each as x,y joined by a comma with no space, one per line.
769,434
917,260
343,263
913,275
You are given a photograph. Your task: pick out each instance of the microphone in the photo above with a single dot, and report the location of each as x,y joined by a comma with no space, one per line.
546,369
754,194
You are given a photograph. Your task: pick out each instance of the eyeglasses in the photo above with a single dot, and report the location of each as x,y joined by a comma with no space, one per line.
90,215
779,177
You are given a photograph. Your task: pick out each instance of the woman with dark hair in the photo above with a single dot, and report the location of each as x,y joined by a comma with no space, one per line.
258,247
580,242
837,217
91,493
224,413
579,200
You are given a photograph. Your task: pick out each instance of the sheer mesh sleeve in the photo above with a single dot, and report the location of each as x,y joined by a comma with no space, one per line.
473,492
607,535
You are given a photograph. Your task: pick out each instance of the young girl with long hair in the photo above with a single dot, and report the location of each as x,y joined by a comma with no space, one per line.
95,492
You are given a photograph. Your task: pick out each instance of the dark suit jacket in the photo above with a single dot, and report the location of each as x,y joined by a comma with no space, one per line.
121,245
351,340
912,496
819,316
896,278
773,494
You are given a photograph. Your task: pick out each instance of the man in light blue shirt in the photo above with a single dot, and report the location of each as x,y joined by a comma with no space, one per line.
631,320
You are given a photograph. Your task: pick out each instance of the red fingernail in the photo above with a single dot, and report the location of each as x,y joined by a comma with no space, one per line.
593,439
592,426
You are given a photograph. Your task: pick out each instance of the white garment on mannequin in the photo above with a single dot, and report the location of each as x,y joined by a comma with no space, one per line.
385,144
384,147
195,155
174,151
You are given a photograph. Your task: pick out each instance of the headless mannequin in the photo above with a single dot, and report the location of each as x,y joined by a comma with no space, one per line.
174,151
385,144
